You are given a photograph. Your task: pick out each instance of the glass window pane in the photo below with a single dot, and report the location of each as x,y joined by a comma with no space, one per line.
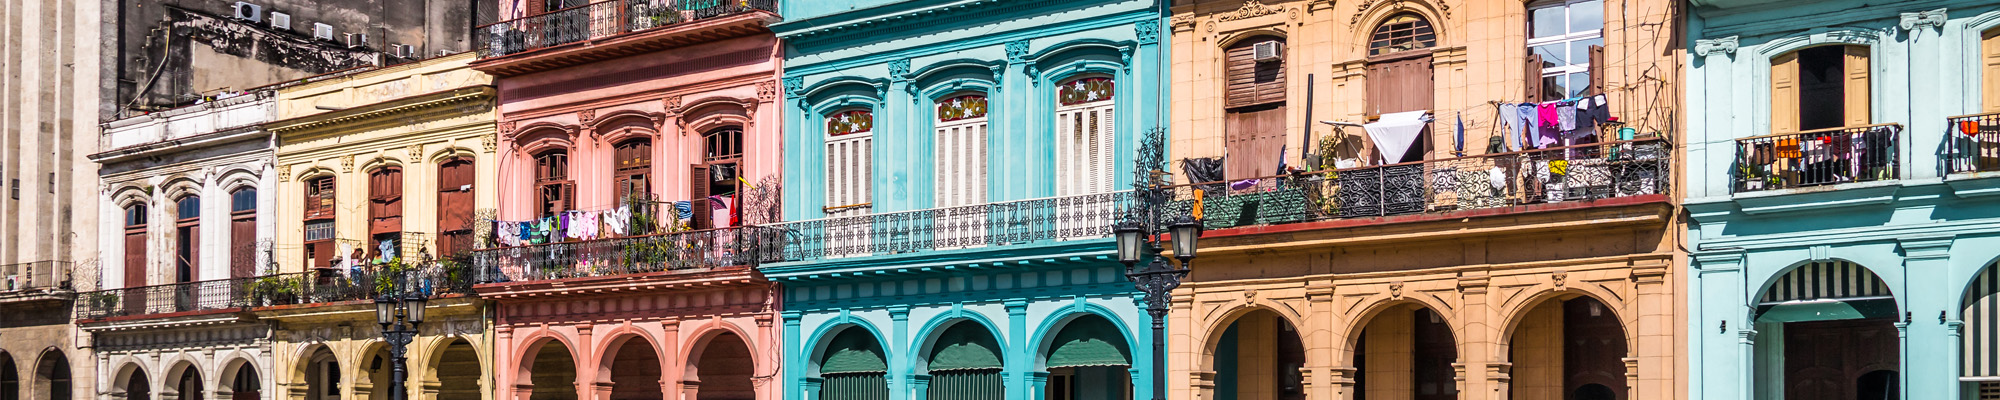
1580,50
1552,55
1552,88
1586,16
1578,84
1546,21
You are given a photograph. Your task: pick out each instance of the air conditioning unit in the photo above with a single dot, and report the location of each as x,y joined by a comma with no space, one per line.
403,51
281,21
322,31
249,12
356,39
1268,51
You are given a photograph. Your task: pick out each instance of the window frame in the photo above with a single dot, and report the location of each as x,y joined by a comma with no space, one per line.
971,191
864,168
552,179
1570,38
1107,107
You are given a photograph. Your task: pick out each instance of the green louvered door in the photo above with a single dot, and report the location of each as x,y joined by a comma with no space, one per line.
855,386
976,384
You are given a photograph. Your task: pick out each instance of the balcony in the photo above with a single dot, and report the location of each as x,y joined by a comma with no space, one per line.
679,251
981,225
1972,144
612,29
243,294
1626,169
1819,157
35,281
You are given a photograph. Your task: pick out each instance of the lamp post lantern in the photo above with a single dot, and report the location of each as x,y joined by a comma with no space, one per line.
399,316
1141,236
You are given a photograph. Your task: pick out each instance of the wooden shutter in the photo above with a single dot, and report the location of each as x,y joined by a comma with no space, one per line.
192,234
1534,79
1248,82
455,203
243,238
135,257
1989,47
1785,93
698,195
1596,71
385,205
1856,75
1253,140
1400,85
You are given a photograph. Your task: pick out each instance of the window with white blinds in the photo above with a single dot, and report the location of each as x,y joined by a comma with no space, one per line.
1085,116
850,149
960,151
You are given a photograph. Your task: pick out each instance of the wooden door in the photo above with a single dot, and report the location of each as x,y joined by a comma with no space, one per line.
1828,359
243,231
1399,84
455,204
1254,140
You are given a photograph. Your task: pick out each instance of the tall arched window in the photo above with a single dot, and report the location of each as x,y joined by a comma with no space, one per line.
243,232
455,204
1086,113
187,235
850,151
319,218
632,163
555,191
959,151
135,245
1400,78
385,211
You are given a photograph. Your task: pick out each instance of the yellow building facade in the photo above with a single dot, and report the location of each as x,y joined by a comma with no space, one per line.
1488,264
384,176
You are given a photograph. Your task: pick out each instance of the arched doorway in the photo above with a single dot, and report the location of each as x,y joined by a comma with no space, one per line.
241,381
551,372
1089,359
1568,348
1405,352
457,372
10,381
633,369
1258,357
723,369
853,368
377,368
186,382
322,377
135,385
1981,312
52,379
964,363
1827,305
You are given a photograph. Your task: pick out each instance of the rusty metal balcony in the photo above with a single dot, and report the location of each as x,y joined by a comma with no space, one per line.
1817,157
612,29
1625,169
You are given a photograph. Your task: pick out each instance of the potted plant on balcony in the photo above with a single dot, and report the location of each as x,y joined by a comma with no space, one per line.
104,301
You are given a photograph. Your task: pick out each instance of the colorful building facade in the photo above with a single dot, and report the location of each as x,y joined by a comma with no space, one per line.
636,140
381,176
187,218
1838,167
1377,229
952,175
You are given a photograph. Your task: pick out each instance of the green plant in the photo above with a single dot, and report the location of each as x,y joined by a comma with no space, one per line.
104,300
386,274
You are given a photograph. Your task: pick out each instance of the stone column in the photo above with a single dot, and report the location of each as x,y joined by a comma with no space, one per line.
899,365
1343,382
795,362
586,373
1038,385
1017,365
1652,371
1477,323
1927,371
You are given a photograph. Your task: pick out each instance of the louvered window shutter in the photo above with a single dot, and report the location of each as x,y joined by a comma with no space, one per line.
1534,79
1857,86
1596,70
1101,158
1990,47
698,194
1785,93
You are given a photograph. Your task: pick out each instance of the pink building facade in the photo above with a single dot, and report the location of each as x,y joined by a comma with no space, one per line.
643,131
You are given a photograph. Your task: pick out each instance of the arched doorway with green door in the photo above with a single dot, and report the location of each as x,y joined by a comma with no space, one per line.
963,363
852,367
1088,358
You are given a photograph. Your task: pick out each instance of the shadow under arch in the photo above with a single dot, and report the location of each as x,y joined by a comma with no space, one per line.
1255,351
849,359
1403,348
963,356
184,381
132,381
547,368
1826,304
1567,344
1087,354
239,378
52,375
456,369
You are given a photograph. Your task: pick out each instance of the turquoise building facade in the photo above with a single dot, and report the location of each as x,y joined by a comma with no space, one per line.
953,171
1843,226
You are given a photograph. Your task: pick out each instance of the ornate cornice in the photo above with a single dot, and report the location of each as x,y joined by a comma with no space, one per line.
1147,30
1912,20
1250,9
1017,51
1725,45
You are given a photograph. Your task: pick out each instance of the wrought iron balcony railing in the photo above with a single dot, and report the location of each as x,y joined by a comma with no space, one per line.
991,224
1972,143
41,275
1817,158
1553,175
600,20
322,286
690,250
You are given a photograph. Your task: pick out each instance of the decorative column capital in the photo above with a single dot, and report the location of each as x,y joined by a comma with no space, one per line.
1926,248
1724,45
1910,21
899,69
1017,51
1147,31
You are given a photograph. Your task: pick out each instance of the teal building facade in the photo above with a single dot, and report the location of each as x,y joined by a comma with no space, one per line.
1843,223
953,172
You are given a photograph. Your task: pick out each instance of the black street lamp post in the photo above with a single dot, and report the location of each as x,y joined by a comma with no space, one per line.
1140,239
399,318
